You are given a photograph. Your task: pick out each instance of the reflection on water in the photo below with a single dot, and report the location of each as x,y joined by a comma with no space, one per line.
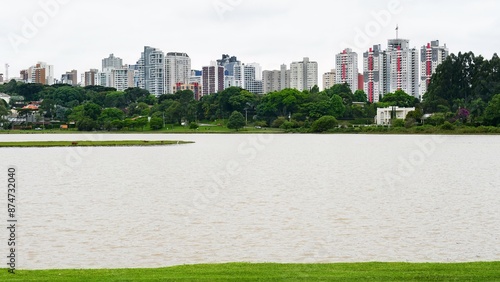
283,198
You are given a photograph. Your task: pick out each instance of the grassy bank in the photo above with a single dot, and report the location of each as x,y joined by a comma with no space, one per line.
420,130
42,144
169,130
481,271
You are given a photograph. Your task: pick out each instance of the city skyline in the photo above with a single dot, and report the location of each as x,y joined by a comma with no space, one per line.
61,34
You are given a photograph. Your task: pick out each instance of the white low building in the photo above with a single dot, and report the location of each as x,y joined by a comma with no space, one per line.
385,115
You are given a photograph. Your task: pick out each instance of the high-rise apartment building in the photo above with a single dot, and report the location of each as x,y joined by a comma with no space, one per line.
152,70
70,77
196,77
375,70
178,70
41,73
230,64
250,81
271,81
303,75
403,67
114,74
90,78
258,70
431,56
138,69
390,70
122,78
347,69
213,79
329,79
276,80
111,63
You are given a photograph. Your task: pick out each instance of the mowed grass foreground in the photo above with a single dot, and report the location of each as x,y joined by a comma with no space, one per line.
45,144
481,271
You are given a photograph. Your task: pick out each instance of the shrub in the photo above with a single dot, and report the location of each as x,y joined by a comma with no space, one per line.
156,123
398,123
287,125
278,122
324,124
447,126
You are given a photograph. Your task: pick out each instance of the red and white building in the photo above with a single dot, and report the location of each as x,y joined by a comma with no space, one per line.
347,69
431,55
403,67
375,73
396,68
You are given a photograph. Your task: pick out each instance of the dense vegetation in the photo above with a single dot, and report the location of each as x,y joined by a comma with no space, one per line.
465,88
462,93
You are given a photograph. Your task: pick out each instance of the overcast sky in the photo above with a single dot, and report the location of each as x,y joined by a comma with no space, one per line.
77,34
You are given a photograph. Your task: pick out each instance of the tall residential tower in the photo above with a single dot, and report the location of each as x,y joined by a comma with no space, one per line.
431,56
347,69
303,75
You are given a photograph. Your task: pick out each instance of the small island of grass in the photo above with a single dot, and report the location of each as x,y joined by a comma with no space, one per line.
127,143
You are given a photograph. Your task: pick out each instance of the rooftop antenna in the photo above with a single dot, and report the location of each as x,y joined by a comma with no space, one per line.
397,31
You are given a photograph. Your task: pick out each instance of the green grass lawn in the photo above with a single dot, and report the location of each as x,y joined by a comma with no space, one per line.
36,144
481,271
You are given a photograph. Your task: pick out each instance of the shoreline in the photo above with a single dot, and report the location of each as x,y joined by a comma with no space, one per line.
448,133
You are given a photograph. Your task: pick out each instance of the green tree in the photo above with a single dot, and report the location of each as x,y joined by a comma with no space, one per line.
30,91
118,124
150,100
324,124
111,114
338,106
92,111
399,98
87,124
492,112
360,96
138,109
236,121
129,124
4,111
115,99
173,113
315,89
342,90
141,122
132,95
48,106
156,123
463,77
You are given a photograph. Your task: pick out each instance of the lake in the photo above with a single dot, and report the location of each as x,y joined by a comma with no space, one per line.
256,198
